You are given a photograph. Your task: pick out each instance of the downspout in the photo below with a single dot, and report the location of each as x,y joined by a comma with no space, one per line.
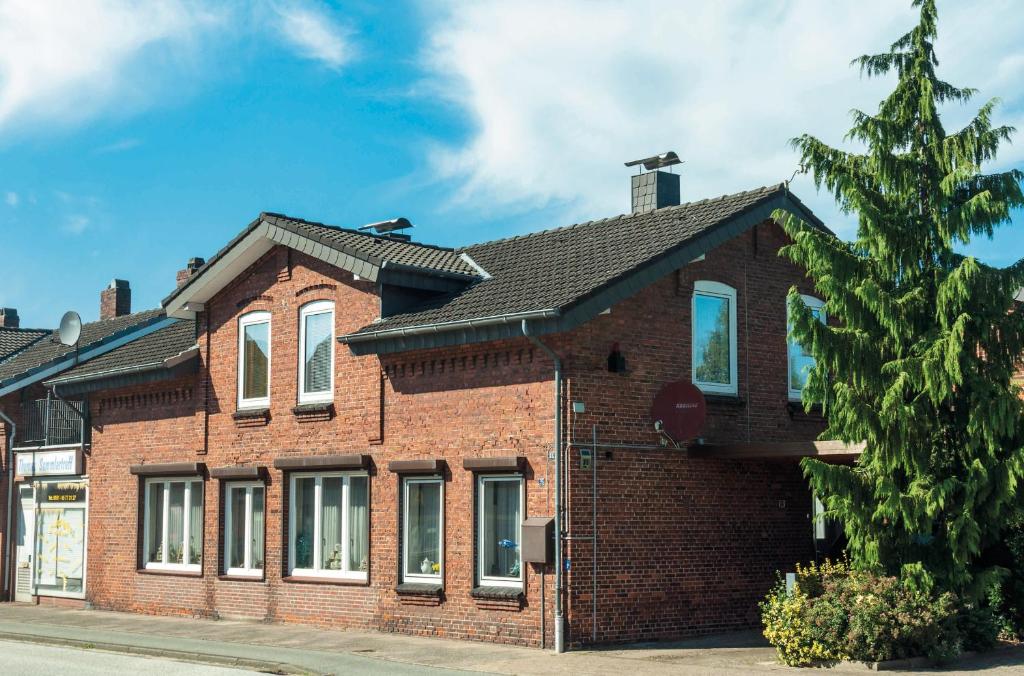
559,617
8,551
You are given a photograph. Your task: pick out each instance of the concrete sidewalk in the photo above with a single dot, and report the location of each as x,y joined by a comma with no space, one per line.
300,649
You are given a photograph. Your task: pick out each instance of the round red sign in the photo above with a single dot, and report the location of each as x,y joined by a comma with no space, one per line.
679,410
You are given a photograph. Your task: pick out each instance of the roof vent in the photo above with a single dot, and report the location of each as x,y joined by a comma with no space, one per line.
656,188
391,229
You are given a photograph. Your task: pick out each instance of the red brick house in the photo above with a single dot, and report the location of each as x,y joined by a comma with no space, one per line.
351,429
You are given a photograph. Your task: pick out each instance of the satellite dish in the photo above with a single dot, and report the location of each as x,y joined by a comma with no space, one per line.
70,328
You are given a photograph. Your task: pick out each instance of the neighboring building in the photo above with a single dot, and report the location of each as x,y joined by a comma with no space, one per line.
356,430
13,338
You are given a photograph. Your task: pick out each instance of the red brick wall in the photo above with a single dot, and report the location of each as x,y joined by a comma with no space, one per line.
684,547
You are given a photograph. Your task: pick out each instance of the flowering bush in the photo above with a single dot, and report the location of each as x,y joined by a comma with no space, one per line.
834,613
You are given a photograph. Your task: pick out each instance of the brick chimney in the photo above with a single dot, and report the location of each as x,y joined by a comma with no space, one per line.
9,318
190,269
116,300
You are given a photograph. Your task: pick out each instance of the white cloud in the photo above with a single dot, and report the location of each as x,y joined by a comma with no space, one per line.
315,35
65,61
559,94
11,198
76,224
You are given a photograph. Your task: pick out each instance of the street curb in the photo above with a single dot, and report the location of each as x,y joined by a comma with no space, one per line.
179,655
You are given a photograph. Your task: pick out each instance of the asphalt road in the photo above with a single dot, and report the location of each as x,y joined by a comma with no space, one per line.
17,659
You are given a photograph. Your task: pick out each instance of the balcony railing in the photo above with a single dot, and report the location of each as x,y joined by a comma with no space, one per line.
51,422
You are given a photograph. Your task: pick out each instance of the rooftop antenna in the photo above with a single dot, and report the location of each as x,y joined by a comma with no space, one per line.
70,329
657,161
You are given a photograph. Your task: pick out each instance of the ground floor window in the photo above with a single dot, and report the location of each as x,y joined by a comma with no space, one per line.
173,524
499,530
244,510
329,530
423,529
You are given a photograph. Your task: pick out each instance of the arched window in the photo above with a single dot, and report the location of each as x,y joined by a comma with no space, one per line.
254,360
714,337
799,361
316,352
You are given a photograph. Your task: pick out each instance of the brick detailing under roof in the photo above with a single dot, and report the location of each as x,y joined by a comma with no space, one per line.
152,350
49,349
555,268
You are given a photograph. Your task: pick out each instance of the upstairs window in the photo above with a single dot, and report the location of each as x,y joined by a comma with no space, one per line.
714,337
254,360
316,352
800,362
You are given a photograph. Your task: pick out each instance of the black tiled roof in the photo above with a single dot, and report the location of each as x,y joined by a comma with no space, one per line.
555,269
152,350
49,349
13,341
377,248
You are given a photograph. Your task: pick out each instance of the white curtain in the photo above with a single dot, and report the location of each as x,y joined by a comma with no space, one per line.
501,528
358,524
176,524
236,533
257,528
424,511
195,524
330,524
304,501
155,523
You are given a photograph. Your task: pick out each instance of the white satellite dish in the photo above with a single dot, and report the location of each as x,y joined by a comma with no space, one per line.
70,328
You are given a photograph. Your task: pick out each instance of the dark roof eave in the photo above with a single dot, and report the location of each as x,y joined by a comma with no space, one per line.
147,373
168,363
584,308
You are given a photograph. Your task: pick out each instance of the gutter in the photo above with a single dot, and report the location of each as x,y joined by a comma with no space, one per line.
440,327
559,617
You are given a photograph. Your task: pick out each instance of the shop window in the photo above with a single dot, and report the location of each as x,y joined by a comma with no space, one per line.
244,519
60,540
328,534
254,360
422,530
499,530
316,357
714,337
800,362
173,524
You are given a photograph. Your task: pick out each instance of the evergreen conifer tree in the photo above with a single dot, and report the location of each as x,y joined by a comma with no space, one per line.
919,359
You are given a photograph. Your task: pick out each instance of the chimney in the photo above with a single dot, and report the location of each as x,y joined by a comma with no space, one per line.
116,300
655,189
9,318
190,269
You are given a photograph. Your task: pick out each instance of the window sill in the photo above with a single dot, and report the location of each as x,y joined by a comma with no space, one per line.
419,589
314,411
170,573
340,581
497,593
724,399
242,578
250,413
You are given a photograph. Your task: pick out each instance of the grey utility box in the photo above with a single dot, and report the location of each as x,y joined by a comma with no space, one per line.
539,539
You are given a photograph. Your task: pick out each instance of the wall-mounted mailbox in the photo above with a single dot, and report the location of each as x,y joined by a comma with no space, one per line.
539,539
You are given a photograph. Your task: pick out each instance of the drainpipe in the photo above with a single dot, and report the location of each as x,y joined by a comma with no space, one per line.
559,617
8,551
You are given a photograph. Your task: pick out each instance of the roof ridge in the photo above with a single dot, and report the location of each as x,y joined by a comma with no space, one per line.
767,189
355,231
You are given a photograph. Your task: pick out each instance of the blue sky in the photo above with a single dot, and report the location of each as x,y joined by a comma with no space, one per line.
134,137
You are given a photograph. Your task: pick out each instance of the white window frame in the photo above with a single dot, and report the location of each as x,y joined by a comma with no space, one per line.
433,578
189,481
814,304
249,319
247,569
493,581
317,571
714,290
316,307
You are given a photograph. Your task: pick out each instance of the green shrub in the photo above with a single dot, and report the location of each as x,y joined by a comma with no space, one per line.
835,613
